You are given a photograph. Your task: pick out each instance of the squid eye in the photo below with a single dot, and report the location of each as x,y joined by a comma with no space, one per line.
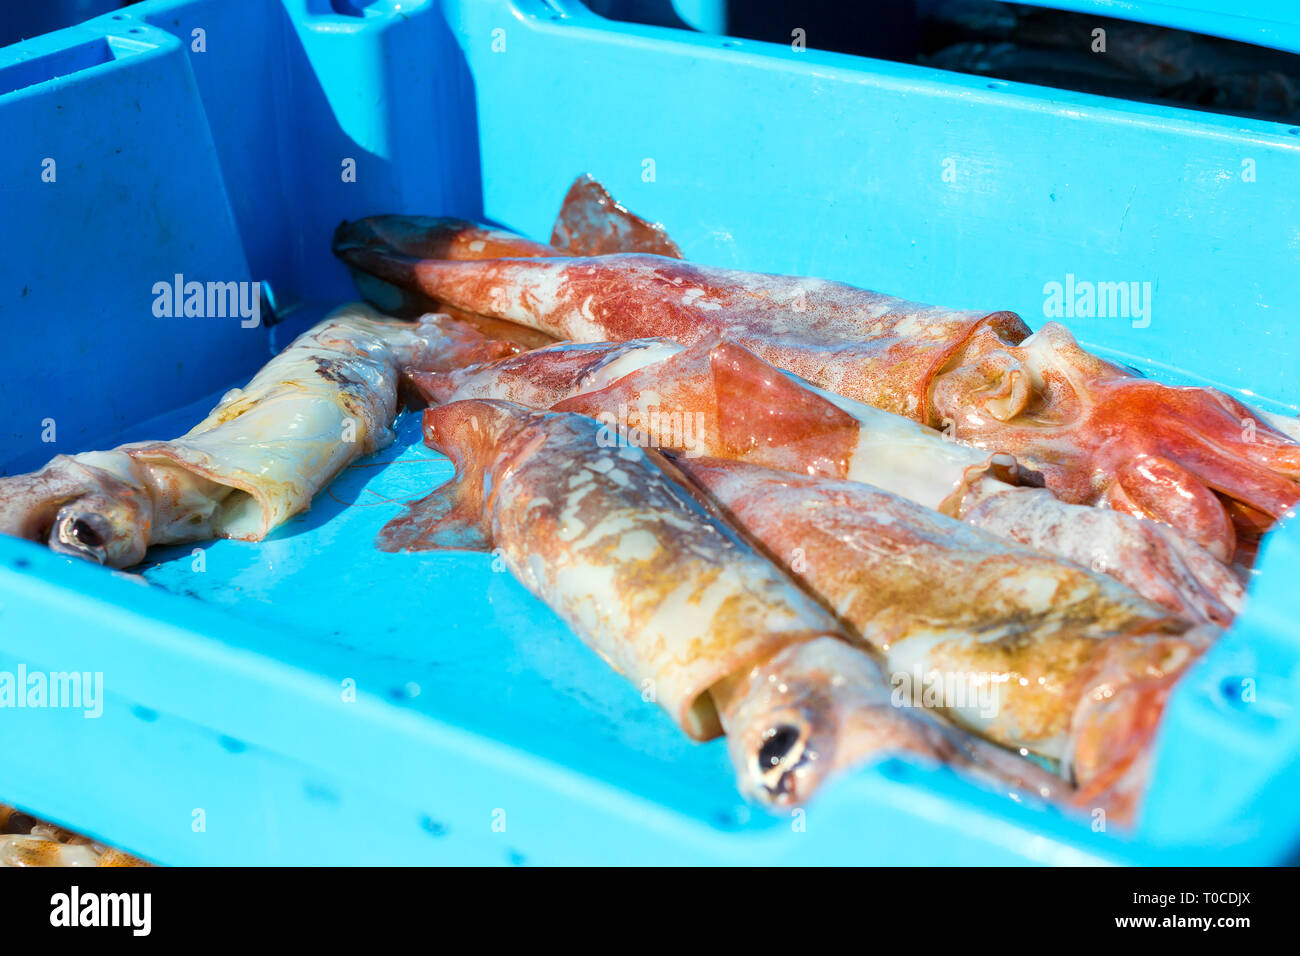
20,822
81,536
81,532
780,761
777,744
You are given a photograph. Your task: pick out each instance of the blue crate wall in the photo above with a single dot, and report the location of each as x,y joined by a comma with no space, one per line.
225,692
110,183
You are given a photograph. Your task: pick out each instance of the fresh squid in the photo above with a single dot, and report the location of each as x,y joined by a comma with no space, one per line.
540,378
259,456
872,347
1032,653
719,399
590,222
25,841
1192,458
439,238
676,600
593,223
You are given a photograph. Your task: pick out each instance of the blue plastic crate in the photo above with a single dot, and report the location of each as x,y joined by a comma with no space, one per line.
207,137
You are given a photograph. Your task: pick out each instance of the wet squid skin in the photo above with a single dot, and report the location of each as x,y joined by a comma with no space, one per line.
822,706
873,347
542,377
590,222
25,841
1193,458
1031,653
1084,424
672,597
719,399
258,457
439,238
593,223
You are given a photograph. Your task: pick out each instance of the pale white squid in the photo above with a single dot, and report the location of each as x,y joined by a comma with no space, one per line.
257,458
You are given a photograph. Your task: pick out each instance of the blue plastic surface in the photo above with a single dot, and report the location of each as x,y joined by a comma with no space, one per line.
481,730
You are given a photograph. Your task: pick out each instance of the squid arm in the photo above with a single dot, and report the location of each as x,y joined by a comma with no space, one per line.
1193,458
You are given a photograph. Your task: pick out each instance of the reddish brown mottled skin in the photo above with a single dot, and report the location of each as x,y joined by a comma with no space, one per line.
878,349
737,396
26,841
437,237
719,399
655,580
1099,434
662,589
1122,698
594,223
590,222
538,378
1079,664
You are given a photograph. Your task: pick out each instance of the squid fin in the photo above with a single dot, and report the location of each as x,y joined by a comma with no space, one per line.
454,516
593,223
1115,724
767,418
446,520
